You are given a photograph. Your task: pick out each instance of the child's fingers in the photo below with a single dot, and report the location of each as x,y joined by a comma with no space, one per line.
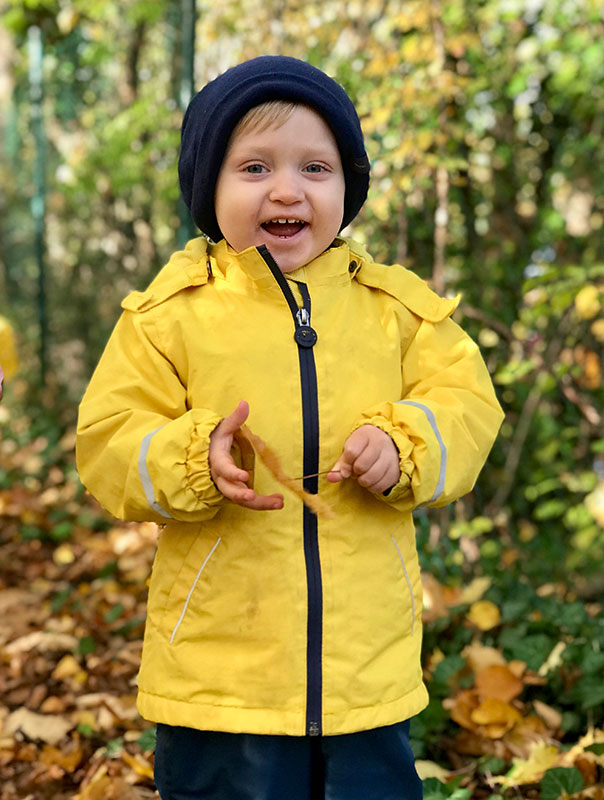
379,477
271,502
242,495
235,420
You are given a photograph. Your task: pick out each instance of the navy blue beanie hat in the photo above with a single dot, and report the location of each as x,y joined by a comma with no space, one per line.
214,112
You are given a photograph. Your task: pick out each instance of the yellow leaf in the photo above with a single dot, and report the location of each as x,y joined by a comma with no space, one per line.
597,329
139,764
474,590
66,668
587,302
8,347
63,555
496,716
484,614
430,769
530,770
595,504
554,660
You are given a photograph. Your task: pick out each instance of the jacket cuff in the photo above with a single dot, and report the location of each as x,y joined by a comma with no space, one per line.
180,475
401,491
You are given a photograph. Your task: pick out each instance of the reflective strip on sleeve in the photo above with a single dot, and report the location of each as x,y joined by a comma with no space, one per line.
440,486
146,478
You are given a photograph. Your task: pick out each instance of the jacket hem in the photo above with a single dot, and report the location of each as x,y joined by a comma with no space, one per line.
232,719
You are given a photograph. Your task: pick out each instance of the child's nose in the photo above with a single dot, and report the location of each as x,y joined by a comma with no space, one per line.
286,187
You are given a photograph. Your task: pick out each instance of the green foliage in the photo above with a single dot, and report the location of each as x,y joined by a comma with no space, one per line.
146,740
559,782
437,790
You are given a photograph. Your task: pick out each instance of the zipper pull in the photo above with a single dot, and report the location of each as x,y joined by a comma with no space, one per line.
313,728
304,335
302,316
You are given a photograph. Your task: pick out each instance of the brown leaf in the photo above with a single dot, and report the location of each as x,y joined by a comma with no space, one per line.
68,759
499,682
551,716
480,656
461,707
272,462
50,729
44,641
525,733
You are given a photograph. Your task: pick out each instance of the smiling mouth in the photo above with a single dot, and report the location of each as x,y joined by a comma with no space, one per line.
284,228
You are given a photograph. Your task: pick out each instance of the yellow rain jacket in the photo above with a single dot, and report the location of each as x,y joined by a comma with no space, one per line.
276,622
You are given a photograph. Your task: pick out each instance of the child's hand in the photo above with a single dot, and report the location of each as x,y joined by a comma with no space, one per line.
228,477
371,457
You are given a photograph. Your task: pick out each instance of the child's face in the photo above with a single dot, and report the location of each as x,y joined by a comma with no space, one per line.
282,187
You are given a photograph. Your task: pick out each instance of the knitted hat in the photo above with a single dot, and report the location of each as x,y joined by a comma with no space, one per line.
214,112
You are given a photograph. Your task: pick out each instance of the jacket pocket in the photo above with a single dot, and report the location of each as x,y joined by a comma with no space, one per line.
192,589
409,585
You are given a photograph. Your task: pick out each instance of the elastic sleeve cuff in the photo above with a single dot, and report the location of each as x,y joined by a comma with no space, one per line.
180,474
402,490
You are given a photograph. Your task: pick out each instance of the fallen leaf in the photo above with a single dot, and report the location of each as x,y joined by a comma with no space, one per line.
498,681
475,590
554,660
46,727
138,763
484,614
44,641
461,707
551,716
108,788
67,667
68,759
430,769
495,716
530,770
525,733
53,705
479,656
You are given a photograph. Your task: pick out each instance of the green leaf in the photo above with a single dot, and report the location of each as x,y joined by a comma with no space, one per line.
561,781
533,649
597,748
146,740
114,613
60,598
435,789
86,646
114,747
61,531
448,668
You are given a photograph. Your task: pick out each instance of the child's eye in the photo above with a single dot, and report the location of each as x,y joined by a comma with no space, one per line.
315,168
255,169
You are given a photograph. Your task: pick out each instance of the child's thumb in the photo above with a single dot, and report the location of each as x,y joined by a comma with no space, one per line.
236,419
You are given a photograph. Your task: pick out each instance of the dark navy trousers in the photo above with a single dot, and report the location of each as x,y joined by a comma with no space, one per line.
204,765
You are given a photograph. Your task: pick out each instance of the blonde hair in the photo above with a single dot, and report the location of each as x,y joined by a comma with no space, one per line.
259,118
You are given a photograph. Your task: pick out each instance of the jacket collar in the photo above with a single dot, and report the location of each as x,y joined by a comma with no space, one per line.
332,266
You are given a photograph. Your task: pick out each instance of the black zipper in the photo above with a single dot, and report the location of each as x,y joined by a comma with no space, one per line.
305,337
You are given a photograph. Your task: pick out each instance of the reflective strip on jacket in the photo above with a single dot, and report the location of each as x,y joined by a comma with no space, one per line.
253,625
